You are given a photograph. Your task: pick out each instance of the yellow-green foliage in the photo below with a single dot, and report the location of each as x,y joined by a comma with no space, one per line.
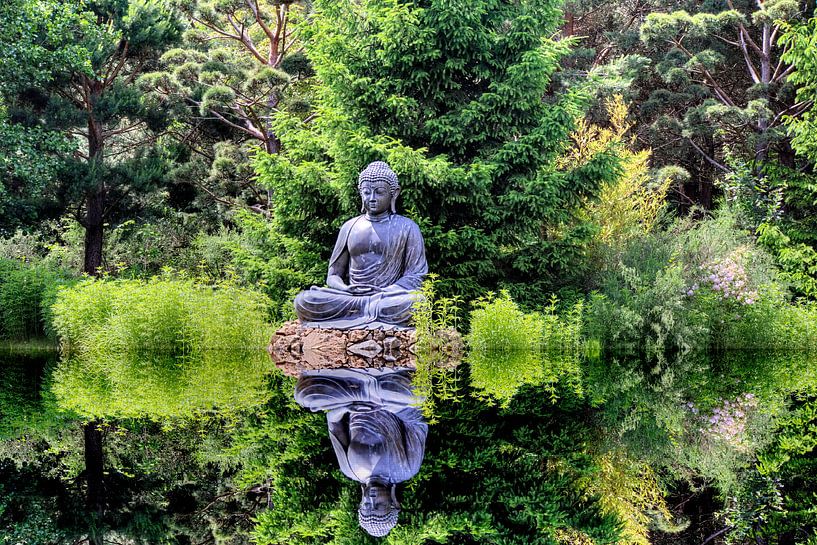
631,204
158,348
509,348
630,490
438,348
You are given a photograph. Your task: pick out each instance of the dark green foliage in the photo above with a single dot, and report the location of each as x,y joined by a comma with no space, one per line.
238,64
87,57
778,498
708,80
274,263
28,505
488,477
30,166
451,96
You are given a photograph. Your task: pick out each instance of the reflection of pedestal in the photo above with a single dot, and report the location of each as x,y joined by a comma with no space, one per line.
295,348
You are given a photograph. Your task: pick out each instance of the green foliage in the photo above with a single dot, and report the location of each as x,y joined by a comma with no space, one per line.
451,98
707,79
487,477
26,293
799,40
438,348
158,348
777,499
687,288
274,263
238,65
29,165
86,56
26,513
509,349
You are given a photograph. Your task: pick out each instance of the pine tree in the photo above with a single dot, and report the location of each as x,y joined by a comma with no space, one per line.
86,57
240,62
95,51
456,96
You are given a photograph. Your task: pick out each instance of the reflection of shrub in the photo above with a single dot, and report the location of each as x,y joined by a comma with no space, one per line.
631,490
26,292
439,347
159,347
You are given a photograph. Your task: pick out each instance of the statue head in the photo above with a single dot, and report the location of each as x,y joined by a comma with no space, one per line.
375,179
378,510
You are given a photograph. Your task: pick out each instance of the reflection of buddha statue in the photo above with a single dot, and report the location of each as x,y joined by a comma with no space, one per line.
376,430
378,260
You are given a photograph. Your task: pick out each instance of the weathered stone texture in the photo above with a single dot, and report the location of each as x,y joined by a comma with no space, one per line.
295,348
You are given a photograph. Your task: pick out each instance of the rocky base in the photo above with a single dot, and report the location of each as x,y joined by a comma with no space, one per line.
295,348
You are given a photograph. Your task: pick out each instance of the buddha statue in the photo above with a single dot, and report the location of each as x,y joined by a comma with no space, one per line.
376,430
377,263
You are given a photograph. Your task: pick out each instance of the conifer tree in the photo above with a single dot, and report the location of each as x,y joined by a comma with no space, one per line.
86,57
95,50
240,62
456,97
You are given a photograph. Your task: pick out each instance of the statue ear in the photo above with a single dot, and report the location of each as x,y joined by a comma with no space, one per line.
394,501
394,201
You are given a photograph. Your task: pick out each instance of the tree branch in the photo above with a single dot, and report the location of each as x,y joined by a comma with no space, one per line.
748,59
706,156
722,95
242,38
251,131
794,110
112,75
123,130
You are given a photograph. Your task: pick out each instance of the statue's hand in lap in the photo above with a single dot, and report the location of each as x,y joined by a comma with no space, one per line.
378,260
364,289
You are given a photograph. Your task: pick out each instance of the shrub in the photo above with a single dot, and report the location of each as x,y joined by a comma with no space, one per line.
158,348
26,293
683,289
439,348
509,348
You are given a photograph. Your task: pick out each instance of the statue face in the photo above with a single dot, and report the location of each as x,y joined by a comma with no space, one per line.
376,499
376,197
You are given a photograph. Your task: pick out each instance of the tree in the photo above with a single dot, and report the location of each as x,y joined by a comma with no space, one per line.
455,96
240,63
709,80
93,99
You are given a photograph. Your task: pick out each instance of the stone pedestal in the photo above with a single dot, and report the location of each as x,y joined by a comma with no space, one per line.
295,348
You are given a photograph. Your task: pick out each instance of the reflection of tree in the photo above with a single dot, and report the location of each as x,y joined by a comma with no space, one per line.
489,476
161,479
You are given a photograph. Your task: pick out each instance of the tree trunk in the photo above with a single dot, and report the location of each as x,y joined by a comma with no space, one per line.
762,144
94,471
94,199
94,219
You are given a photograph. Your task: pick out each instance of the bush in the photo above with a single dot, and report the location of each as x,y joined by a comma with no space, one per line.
159,348
439,348
26,293
684,289
509,348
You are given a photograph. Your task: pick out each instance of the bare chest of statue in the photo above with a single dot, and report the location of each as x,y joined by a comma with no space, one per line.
368,242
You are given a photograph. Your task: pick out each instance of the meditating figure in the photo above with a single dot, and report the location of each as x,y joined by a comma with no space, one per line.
376,429
378,260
